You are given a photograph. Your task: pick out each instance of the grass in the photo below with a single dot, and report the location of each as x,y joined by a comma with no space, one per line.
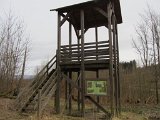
129,112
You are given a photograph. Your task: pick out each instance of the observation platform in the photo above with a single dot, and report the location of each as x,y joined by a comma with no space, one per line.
96,56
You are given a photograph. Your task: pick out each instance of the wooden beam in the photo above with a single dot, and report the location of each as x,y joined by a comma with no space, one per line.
78,75
96,36
102,12
97,71
70,40
39,104
66,90
99,106
82,63
119,84
57,93
79,37
115,64
65,18
110,60
70,94
70,81
63,15
77,33
79,97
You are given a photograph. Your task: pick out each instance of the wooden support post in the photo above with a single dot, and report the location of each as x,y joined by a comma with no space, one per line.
70,39
111,59
82,64
70,93
97,72
78,74
57,93
66,90
39,105
115,64
79,97
98,98
70,72
96,36
119,84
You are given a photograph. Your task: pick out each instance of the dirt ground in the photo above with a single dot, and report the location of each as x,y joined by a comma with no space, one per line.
138,112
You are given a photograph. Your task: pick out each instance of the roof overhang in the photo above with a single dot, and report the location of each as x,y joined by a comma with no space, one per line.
92,17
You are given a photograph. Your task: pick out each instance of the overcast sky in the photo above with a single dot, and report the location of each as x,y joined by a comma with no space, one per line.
41,25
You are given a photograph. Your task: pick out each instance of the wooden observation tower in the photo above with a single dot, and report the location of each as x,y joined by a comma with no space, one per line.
83,56
92,56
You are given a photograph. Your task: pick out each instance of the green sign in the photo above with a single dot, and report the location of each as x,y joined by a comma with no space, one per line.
96,87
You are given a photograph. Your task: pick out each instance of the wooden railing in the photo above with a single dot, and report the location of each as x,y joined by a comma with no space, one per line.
92,52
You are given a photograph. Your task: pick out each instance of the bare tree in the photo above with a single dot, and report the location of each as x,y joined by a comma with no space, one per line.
148,43
13,42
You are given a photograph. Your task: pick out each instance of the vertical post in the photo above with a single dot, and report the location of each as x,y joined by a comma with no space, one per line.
70,41
70,72
97,73
96,35
78,92
39,105
66,90
70,93
111,59
57,93
118,79
79,96
82,63
98,98
115,63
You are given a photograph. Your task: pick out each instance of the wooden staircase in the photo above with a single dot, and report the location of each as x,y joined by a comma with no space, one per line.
46,82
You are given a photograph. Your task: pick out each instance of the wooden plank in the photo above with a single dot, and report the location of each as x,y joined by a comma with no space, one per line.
115,64
82,63
119,92
63,15
65,18
79,37
90,43
70,94
85,47
93,53
70,81
86,62
39,105
46,91
101,11
57,93
46,85
67,60
49,96
87,51
66,90
77,32
96,37
99,106
79,97
111,57
98,98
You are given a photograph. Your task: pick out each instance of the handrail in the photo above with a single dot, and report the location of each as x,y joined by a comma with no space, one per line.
93,51
90,43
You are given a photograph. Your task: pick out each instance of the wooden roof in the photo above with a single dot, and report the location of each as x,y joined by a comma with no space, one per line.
92,17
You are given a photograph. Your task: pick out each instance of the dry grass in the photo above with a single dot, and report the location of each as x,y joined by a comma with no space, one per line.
7,113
